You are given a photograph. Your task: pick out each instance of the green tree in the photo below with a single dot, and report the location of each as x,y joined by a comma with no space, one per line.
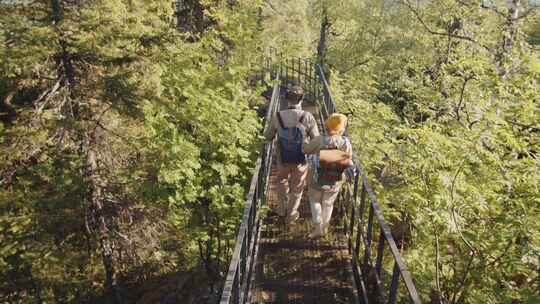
125,144
443,99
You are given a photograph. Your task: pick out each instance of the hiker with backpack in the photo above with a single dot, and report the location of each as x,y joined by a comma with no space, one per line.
329,156
293,126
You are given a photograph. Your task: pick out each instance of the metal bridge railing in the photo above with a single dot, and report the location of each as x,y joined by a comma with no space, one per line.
237,285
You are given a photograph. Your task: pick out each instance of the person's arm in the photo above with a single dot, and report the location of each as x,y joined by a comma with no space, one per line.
313,129
350,172
270,131
348,148
313,146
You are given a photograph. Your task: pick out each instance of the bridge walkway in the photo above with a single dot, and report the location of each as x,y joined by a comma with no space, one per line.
291,268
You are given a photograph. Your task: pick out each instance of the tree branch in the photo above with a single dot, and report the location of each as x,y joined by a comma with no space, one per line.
453,209
460,290
461,98
530,127
429,30
528,12
271,5
494,9
437,263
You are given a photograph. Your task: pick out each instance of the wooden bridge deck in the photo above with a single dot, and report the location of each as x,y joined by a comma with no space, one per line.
290,267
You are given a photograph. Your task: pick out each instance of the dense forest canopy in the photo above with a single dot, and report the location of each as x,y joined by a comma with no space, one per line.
446,98
128,132
115,171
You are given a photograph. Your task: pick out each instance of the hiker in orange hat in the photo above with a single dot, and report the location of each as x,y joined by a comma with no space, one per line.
332,155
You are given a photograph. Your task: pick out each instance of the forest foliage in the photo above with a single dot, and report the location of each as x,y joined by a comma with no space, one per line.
126,145
444,98
128,135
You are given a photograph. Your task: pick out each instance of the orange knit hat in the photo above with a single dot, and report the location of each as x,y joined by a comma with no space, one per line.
336,123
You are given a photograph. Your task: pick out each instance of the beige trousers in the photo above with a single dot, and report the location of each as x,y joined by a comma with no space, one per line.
291,182
322,204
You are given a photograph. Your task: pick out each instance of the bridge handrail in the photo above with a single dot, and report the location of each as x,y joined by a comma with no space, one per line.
399,266
239,276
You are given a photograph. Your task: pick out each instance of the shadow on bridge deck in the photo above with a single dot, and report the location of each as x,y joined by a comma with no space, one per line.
290,267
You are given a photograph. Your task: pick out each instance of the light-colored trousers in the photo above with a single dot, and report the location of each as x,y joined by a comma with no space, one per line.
291,182
322,204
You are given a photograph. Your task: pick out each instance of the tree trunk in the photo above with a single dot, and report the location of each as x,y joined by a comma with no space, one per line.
321,49
505,59
94,202
94,195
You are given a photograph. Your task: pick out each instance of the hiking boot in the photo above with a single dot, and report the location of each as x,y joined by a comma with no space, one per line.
325,227
281,212
317,232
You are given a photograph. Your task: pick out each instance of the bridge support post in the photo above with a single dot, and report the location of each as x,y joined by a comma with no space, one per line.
394,285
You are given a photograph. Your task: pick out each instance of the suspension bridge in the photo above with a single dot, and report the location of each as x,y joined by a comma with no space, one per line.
359,262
